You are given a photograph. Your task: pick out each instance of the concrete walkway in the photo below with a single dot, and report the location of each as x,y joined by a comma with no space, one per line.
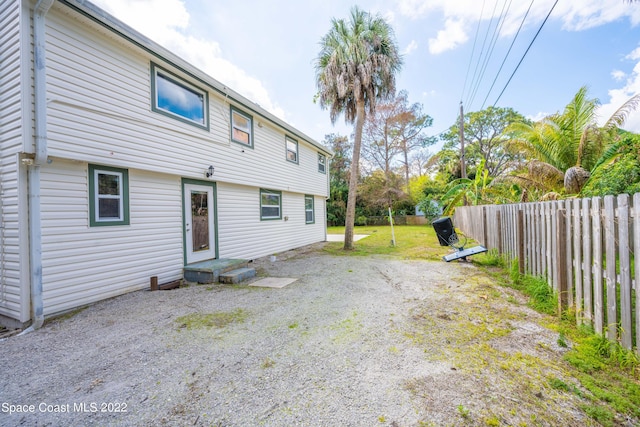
340,237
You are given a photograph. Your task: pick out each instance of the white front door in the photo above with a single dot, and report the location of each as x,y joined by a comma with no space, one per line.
199,229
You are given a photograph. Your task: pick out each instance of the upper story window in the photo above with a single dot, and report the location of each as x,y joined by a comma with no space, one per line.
108,196
241,127
322,163
176,98
292,149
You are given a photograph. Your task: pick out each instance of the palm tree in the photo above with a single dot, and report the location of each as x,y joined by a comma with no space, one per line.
570,143
355,68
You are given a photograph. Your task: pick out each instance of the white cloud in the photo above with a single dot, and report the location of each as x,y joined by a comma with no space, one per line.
575,15
539,116
411,47
166,23
617,97
618,75
634,55
449,38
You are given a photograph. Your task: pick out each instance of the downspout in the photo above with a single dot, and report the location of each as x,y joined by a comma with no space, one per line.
40,120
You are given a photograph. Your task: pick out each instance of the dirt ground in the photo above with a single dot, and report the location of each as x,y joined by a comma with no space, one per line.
352,342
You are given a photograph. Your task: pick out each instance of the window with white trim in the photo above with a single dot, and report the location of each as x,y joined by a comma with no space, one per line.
241,127
270,204
108,196
309,215
292,149
176,98
322,163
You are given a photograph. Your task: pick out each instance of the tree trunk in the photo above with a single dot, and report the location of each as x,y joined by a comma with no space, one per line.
353,179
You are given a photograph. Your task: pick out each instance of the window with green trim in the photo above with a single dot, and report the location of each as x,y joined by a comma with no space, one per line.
292,149
309,215
322,163
108,196
270,204
241,127
176,98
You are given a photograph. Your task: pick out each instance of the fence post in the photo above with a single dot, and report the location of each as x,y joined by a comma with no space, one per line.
598,295
636,260
587,286
485,233
610,273
625,271
520,240
499,231
561,260
577,253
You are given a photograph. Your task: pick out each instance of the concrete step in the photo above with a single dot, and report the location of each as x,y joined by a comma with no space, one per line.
237,276
209,271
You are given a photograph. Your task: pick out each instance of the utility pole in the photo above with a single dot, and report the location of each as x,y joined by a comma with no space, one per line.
463,164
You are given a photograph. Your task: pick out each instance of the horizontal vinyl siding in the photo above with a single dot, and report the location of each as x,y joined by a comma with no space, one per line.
241,233
13,295
100,111
83,264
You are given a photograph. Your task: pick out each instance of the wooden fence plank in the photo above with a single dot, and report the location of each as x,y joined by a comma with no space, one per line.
568,237
561,260
553,237
598,297
586,264
577,258
521,233
610,271
636,260
625,272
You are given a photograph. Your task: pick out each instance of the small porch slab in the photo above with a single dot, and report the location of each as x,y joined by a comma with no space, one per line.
209,271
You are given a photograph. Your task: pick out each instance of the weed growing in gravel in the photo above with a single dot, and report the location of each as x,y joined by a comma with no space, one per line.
211,320
268,363
464,412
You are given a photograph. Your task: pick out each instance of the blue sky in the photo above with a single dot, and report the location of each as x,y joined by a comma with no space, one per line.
266,50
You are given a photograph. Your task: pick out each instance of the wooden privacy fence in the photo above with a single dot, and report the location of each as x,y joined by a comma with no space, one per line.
584,248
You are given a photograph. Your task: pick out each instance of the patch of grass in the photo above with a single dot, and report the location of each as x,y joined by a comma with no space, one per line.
347,329
489,259
464,412
600,414
211,320
412,242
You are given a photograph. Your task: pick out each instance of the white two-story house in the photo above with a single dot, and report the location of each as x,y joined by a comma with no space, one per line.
119,161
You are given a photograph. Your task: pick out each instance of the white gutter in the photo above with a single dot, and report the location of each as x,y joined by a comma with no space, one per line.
40,119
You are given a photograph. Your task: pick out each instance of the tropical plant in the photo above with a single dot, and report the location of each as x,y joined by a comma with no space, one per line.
569,144
466,190
355,68
618,170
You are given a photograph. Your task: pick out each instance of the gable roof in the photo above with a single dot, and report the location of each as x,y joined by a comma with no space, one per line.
119,28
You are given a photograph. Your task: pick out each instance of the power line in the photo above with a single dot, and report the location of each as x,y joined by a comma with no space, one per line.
525,53
507,54
494,40
475,71
475,39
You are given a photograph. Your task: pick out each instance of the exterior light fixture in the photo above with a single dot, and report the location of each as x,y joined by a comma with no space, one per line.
209,172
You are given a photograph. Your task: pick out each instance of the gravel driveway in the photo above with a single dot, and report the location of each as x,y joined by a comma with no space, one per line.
353,342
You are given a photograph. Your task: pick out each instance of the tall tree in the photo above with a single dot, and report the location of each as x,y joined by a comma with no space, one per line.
486,139
355,68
